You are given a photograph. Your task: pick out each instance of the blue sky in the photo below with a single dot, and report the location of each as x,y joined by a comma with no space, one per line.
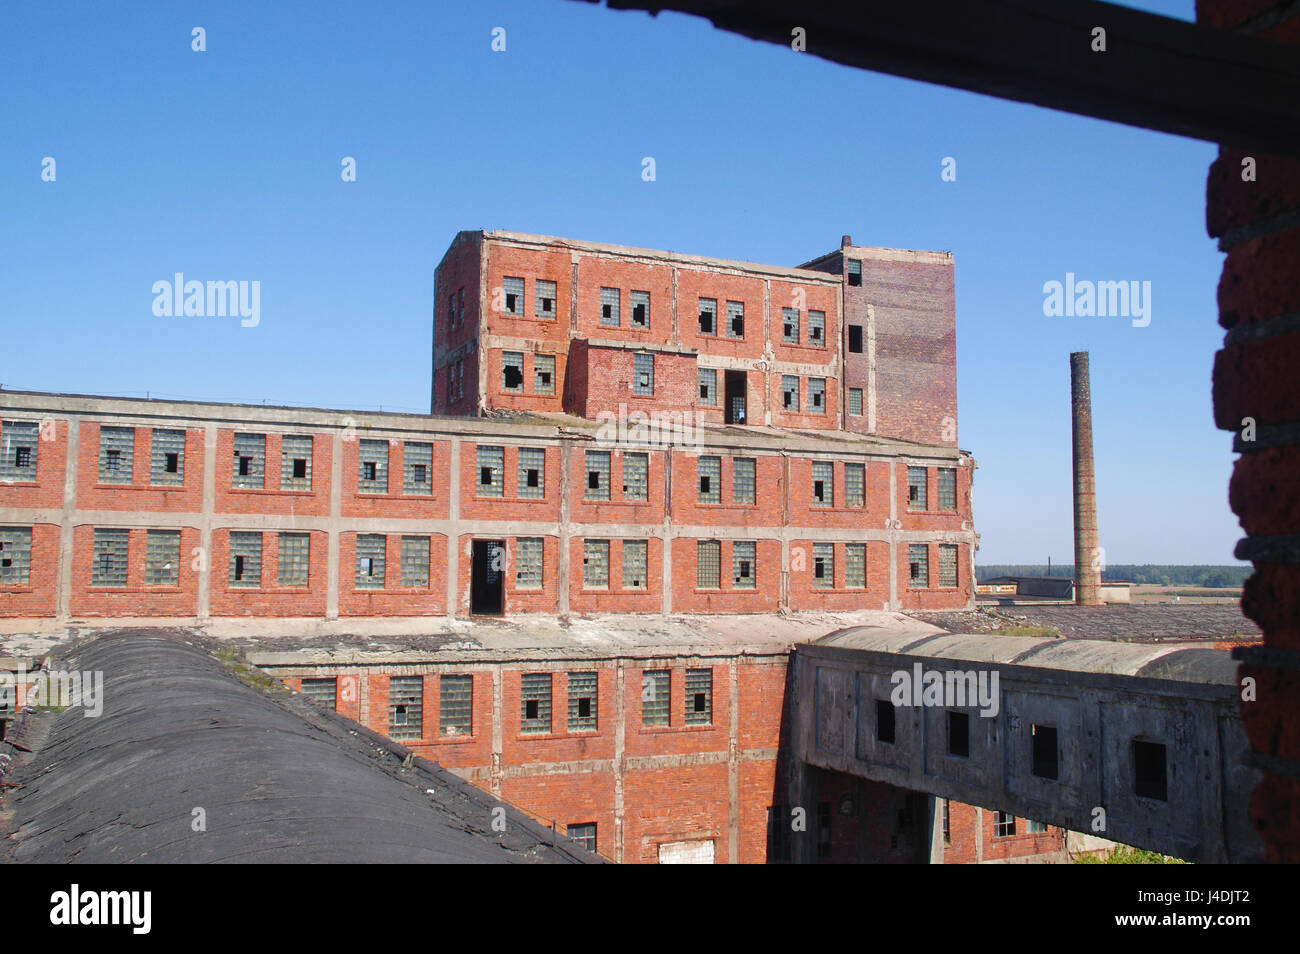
225,165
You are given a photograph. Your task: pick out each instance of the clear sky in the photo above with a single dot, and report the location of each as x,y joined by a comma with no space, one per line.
225,165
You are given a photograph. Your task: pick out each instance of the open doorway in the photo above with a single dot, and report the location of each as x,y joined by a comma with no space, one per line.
735,397
487,578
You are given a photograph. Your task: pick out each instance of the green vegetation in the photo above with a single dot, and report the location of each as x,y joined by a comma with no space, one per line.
1125,855
1026,630
1155,574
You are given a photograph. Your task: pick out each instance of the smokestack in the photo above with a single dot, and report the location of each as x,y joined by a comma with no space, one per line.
1087,555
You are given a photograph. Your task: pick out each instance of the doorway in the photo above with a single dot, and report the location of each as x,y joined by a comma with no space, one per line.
734,397
487,578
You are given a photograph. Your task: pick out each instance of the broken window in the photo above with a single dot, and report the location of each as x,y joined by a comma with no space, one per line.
528,563
855,565
15,555
250,461
543,374
295,462
514,292
322,691
609,307
1044,752
405,707
656,697
1004,825
817,328
512,371
916,488
109,556
790,393
708,387
790,325
582,707
545,298
958,734
886,719
373,476
417,468
823,566
532,472
743,565
634,564
584,834
855,272
491,466
643,374
699,696
742,480
456,705
823,483
709,471
918,565
947,488
948,565
18,450
735,319
816,395
1150,778
597,475
245,558
415,562
167,458
116,453
708,564
536,699
370,561
636,475
708,316
855,339
162,557
595,564
640,309
854,485
855,401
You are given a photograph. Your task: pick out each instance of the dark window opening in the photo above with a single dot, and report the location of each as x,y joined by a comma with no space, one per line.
548,304
418,474
532,479
855,272
1004,825
299,467
544,379
485,476
738,326
487,578
885,721
584,708
704,485
734,383
245,466
1045,751
530,709
368,470
698,702
1150,779
593,480
173,463
638,315
706,322
959,734
819,490
513,377
607,311
23,457
855,339
510,303
239,568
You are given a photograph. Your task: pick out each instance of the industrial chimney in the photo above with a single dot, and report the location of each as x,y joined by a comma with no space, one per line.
1087,555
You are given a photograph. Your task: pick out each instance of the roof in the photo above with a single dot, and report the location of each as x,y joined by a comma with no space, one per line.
278,779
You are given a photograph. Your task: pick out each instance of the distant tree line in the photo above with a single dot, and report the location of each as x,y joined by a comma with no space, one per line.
1156,574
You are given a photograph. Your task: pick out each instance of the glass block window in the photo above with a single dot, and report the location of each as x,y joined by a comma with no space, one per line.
536,702
1035,827
823,566
636,475
816,395
456,705
742,480
417,468
512,371
855,483
514,293
790,325
708,387
545,299
595,564
855,401
582,702
855,272
370,561
322,691
790,393
947,488
656,697
18,442
597,475
584,834
294,559
543,374
699,696
532,472
405,707
643,374
817,328
708,564
372,475
735,319
167,458
415,562
709,472
295,462
491,470
109,558
162,558
916,488
640,309
249,466
708,316
855,565
528,563
823,483
918,565
609,307
116,454
634,564
245,558
15,555
947,565
744,570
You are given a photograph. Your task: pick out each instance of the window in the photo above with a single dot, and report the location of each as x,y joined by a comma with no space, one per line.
640,309
582,701
162,557
916,488
1044,751
543,374
528,563
293,563
708,316
643,374
417,468
855,565
886,721
959,734
532,472
415,562
15,555
18,449
918,563
855,272
536,699
245,559
370,561
735,319
855,339
295,462
655,697
823,566
636,475
743,565
855,401
167,458
491,466
790,393
708,564
595,564
947,823
1034,827
634,564
451,311
545,299
597,475
460,305
512,371
372,477
109,556
1150,780
405,707
823,483
699,696
609,307
584,834
816,395
456,705
742,480
947,565
709,472
514,292
1004,825
116,453
708,387
947,488
854,485
817,328
322,691
790,325
249,469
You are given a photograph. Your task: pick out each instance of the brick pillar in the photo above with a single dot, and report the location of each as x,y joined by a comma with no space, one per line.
1257,397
